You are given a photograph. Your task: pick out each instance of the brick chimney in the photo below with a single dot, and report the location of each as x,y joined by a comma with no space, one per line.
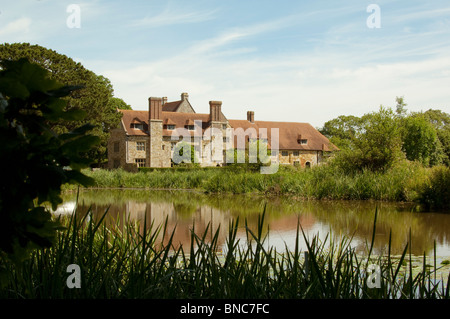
184,96
164,100
251,116
155,108
215,110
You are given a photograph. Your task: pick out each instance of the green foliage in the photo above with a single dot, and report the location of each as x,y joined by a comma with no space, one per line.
377,140
420,141
342,131
435,193
184,153
96,99
35,160
441,122
117,103
370,142
132,260
404,181
255,155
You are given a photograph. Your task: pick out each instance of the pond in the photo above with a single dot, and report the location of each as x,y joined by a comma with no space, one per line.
335,219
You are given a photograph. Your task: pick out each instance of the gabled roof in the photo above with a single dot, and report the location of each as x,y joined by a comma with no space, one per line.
289,132
171,106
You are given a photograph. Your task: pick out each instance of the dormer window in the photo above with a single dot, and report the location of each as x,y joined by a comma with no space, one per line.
301,141
190,127
170,127
137,126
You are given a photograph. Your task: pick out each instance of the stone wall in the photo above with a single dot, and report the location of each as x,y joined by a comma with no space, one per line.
304,157
159,150
116,148
185,107
133,151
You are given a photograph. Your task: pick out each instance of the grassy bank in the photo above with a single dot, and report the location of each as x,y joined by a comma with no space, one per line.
130,262
404,182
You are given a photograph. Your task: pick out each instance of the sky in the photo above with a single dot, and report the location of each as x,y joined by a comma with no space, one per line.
297,61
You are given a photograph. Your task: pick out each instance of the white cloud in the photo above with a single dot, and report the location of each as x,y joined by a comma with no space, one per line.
171,17
15,28
311,93
345,70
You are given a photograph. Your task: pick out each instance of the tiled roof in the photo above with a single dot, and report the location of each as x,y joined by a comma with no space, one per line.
289,132
171,106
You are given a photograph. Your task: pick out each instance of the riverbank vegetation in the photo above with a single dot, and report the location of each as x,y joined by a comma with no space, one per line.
405,181
132,261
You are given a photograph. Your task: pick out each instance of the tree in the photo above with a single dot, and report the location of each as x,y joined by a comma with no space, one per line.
379,141
375,141
441,122
400,108
342,131
35,160
96,99
116,103
420,140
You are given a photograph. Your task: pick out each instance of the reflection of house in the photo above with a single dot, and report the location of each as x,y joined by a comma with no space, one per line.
147,138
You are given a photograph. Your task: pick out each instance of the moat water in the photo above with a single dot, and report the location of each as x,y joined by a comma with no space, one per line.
184,210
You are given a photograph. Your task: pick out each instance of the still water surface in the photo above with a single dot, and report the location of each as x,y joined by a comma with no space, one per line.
337,219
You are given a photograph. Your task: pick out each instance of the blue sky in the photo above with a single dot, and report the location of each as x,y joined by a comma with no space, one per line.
302,61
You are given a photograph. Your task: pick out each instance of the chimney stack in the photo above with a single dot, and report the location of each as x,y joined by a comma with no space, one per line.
251,116
184,96
164,100
215,110
155,108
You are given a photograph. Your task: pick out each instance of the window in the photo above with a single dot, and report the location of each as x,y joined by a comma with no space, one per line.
225,139
284,153
296,163
162,147
138,126
224,126
116,147
172,145
140,146
190,127
140,162
170,127
296,153
303,141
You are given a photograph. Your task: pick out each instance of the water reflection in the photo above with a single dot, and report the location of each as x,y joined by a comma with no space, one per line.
185,210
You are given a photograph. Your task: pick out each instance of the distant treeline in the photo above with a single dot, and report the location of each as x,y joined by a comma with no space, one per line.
377,140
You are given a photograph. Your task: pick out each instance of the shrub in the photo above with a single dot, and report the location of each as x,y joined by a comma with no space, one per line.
435,193
36,160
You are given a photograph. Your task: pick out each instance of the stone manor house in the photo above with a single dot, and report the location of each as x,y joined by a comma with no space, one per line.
148,138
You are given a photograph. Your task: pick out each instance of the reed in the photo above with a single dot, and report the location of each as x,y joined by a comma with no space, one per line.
131,260
406,181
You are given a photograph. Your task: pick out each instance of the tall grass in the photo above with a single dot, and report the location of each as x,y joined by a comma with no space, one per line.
136,261
405,181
